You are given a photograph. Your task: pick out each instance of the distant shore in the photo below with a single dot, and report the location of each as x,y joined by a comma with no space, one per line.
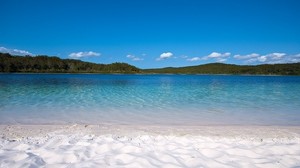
47,64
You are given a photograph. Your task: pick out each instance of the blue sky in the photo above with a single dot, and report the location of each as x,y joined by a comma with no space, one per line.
154,33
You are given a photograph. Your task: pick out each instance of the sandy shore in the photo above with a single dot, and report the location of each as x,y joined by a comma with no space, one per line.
148,146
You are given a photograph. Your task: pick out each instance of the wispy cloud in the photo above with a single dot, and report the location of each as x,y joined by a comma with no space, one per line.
164,56
221,59
14,51
194,59
218,57
79,55
295,58
276,56
135,58
271,58
184,56
249,56
253,58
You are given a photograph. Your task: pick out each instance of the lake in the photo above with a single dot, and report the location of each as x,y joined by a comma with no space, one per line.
149,99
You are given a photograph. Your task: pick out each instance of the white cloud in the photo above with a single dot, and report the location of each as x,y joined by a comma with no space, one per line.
194,59
221,60
291,58
219,57
14,51
227,54
262,58
214,55
130,56
294,59
271,58
79,55
165,55
134,58
276,56
253,58
249,56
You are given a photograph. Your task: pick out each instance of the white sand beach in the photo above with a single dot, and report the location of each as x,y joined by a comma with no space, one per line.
148,146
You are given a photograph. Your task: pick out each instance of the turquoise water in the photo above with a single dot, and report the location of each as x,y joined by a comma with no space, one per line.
149,99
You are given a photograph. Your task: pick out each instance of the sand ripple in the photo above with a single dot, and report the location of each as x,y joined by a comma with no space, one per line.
147,151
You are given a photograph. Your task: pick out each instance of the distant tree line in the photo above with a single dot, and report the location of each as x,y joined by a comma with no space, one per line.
43,64
46,64
219,68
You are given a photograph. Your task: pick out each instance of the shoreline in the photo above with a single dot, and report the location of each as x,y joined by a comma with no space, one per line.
225,131
97,73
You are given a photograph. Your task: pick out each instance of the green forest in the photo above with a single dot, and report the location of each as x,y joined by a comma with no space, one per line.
220,68
47,64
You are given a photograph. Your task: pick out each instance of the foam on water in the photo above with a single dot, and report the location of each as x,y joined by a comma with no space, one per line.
149,99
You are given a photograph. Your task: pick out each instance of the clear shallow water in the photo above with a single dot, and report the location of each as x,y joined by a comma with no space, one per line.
149,99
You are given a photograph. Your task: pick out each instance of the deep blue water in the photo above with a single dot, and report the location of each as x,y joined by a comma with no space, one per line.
149,99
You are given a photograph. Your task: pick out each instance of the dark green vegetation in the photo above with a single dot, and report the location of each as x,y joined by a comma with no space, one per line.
219,68
43,64
46,64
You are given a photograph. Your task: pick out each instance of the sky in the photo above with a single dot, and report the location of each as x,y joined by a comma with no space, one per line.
154,33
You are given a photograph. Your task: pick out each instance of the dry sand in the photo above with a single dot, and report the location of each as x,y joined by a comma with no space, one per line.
148,146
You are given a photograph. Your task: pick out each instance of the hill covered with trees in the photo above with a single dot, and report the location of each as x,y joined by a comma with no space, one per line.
46,64
43,64
219,68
